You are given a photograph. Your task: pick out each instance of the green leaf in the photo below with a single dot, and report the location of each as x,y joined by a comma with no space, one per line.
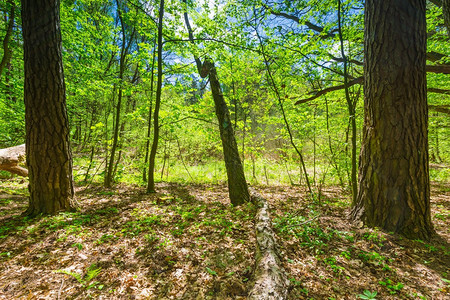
212,272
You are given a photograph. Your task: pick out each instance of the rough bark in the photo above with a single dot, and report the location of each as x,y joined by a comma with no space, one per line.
237,185
270,277
393,176
48,154
10,159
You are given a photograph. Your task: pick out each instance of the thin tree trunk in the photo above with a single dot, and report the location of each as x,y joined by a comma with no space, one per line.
91,160
288,128
446,13
151,168
7,52
333,156
149,128
237,185
351,110
182,160
109,176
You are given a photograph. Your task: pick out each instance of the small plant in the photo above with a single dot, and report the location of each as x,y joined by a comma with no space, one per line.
367,295
79,246
86,281
151,238
331,261
393,287
295,282
374,237
105,238
346,254
210,271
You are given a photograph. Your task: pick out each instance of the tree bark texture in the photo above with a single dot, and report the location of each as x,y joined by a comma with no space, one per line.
393,175
237,185
270,277
48,153
10,159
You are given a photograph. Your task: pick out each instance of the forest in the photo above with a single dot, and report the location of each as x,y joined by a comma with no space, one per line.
224,149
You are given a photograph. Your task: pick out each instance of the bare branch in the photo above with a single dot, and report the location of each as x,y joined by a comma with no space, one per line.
440,69
438,91
434,56
440,108
308,24
438,3
358,80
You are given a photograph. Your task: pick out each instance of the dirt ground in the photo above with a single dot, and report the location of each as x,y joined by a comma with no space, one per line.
186,242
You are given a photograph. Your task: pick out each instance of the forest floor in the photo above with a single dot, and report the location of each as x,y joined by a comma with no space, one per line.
186,242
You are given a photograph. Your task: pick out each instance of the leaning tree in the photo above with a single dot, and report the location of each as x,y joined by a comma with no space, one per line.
393,175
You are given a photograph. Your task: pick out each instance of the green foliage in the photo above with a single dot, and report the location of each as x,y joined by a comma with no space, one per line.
392,287
309,232
142,222
367,295
86,280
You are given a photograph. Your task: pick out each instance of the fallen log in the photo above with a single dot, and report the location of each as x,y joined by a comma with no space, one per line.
10,159
270,277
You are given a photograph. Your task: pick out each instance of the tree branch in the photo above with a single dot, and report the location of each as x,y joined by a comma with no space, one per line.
440,108
308,24
434,56
438,91
438,3
440,69
358,80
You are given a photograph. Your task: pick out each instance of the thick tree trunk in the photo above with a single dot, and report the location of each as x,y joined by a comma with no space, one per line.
237,185
10,158
48,153
393,176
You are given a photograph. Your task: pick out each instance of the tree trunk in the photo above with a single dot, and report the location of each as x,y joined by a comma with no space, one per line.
237,185
149,128
393,176
446,13
351,106
48,154
7,52
109,176
151,167
270,276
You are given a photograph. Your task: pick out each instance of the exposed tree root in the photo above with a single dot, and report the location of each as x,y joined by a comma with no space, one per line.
10,158
270,278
